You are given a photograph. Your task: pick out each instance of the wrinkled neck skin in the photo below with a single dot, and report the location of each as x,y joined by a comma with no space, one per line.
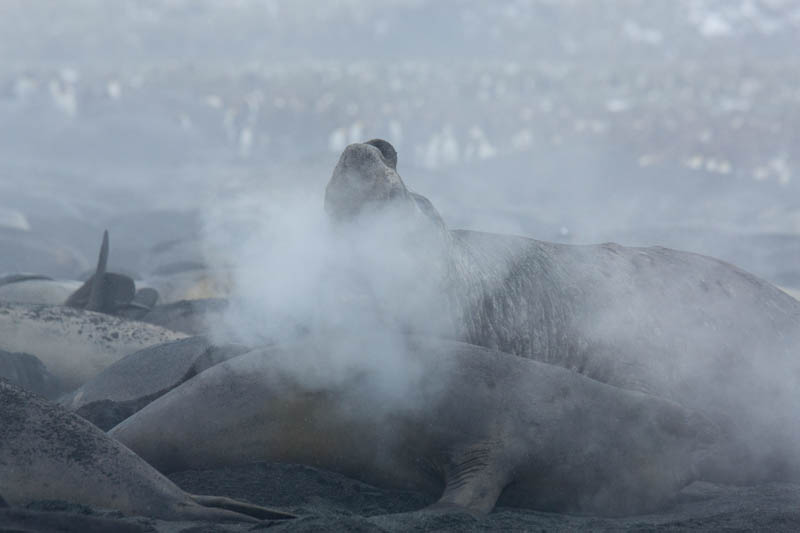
506,298
486,290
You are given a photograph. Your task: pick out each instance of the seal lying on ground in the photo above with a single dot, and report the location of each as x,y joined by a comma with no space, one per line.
47,453
475,422
677,325
75,345
139,378
26,371
36,289
104,292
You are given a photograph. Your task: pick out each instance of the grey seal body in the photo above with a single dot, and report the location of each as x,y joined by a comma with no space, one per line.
26,371
139,378
38,291
75,345
103,291
678,325
479,422
47,453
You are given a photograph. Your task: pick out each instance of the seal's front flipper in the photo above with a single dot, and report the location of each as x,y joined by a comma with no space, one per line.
104,292
256,511
90,294
474,480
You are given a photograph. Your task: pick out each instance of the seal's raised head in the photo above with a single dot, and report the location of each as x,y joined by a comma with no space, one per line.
366,180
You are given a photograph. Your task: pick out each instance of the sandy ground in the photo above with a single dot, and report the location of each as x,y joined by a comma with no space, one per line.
327,501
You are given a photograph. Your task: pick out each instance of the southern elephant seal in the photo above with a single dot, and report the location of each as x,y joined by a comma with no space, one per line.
26,371
193,317
139,378
33,289
476,423
75,345
105,292
677,325
48,453
26,251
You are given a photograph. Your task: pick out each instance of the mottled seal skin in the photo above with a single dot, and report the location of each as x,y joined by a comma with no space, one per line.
139,378
479,422
75,345
26,371
678,325
47,453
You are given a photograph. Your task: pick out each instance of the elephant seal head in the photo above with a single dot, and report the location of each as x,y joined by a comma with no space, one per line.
396,248
366,181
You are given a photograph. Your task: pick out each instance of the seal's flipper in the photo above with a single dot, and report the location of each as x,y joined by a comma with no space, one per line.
118,291
256,511
2,502
146,297
473,482
143,303
80,297
90,294
103,292
97,285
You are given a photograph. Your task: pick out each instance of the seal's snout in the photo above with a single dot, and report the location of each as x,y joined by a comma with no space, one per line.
365,175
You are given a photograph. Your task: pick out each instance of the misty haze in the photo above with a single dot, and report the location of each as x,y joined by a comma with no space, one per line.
400,264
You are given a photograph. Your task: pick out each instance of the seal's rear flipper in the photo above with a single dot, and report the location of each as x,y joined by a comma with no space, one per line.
89,295
104,291
256,511
473,482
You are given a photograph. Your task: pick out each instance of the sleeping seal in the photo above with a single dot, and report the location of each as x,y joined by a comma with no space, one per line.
47,453
677,325
139,378
75,345
475,423
105,292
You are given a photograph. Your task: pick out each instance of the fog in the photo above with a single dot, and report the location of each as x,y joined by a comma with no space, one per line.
667,123
203,133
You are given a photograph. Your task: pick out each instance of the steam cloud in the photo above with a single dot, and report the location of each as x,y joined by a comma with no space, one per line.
357,287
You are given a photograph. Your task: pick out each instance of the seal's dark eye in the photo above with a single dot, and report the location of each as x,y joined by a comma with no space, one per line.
387,151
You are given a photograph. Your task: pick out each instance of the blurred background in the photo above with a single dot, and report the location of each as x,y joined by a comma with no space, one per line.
670,122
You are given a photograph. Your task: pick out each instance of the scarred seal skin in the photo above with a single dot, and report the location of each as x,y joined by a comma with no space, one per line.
480,422
47,453
678,325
